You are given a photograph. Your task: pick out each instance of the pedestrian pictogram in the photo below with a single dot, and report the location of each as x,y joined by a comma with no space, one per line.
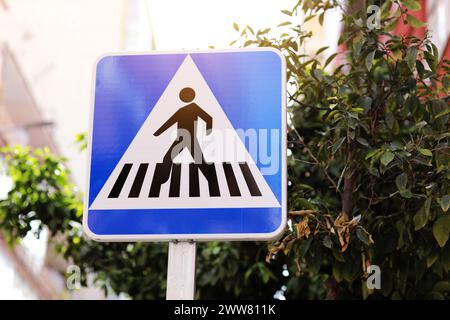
197,166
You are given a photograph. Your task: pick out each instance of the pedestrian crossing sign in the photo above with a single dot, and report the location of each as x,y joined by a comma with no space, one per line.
187,145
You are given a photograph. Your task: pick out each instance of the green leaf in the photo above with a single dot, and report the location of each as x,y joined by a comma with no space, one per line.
421,217
357,110
235,26
434,296
321,17
416,23
317,73
435,50
411,57
321,50
446,82
358,44
309,17
366,103
443,113
441,230
426,152
387,157
412,5
442,286
338,271
363,236
431,259
401,181
369,59
419,220
444,202
372,153
445,258
327,242
389,118
261,32
396,145
420,69
286,23
432,60
329,59
406,194
362,141
400,226
247,43
337,145
391,25
286,12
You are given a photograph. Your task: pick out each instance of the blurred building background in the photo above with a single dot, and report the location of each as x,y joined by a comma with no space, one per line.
47,52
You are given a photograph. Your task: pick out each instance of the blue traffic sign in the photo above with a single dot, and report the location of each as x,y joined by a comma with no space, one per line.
187,145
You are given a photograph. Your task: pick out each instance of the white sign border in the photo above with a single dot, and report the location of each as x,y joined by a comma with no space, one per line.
187,237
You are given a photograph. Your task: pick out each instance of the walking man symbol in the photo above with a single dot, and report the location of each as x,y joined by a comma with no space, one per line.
186,119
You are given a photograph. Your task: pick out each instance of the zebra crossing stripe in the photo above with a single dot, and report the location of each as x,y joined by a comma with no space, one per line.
118,185
251,183
138,181
175,181
164,171
161,175
209,171
231,180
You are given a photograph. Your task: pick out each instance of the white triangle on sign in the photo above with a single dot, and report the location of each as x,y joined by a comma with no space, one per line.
149,149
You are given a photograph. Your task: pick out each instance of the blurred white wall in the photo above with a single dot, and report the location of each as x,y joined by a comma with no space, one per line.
438,22
56,43
12,285
179,24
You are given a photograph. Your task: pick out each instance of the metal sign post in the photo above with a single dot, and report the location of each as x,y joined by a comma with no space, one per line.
181,271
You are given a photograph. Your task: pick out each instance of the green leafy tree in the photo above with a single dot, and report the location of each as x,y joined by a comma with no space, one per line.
368,176
42,192
369,171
